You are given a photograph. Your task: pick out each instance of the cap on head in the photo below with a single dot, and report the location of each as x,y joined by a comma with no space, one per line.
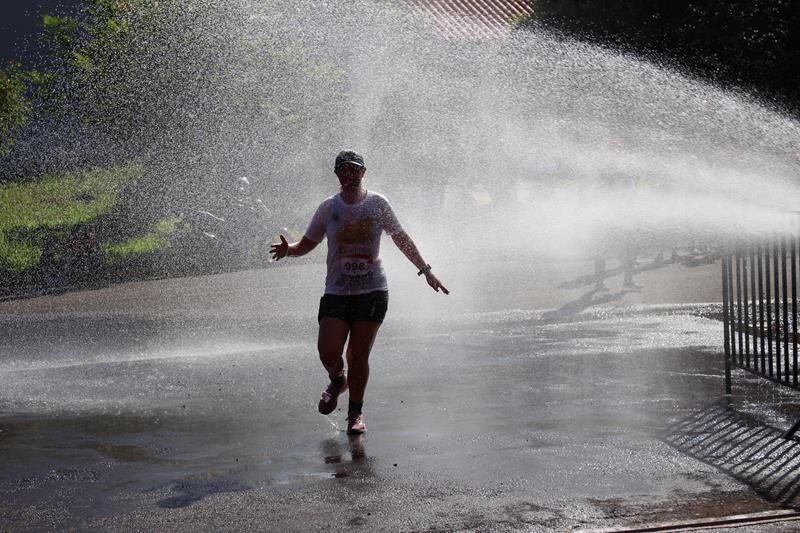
348,157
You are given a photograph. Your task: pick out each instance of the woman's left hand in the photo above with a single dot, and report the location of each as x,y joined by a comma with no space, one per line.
434,282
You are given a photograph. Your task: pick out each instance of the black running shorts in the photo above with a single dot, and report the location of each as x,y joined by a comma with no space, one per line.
370,307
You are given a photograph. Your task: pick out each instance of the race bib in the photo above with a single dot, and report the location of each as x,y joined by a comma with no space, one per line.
355,266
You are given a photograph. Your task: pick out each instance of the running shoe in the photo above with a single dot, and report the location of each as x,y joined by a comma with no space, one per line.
355,424
327,402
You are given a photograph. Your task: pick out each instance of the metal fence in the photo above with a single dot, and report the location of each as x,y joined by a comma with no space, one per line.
759,293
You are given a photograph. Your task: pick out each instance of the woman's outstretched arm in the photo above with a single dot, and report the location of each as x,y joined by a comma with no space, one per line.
409,249
284,249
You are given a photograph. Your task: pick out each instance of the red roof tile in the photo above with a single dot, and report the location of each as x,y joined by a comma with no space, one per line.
473,18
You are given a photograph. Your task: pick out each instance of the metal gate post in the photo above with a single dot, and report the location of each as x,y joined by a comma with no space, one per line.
726,319
792,430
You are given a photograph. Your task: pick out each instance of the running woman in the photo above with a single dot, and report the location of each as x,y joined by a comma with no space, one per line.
356,292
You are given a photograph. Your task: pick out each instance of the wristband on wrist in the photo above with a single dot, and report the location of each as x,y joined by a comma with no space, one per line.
424,270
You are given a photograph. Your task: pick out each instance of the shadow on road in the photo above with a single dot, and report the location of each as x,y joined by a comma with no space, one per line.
743,448
598,278
193,490
584,302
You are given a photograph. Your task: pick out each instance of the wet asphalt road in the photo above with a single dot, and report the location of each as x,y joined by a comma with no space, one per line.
189,416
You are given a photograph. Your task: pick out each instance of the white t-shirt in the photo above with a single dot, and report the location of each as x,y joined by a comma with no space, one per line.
354,240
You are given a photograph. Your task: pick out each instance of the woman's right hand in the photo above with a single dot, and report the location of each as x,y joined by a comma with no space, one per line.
434,282
279,250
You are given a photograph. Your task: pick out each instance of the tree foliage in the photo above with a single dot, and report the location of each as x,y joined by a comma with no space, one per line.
751,44
193,87
14,105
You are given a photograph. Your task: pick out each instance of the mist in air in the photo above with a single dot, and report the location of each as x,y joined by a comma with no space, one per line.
540,146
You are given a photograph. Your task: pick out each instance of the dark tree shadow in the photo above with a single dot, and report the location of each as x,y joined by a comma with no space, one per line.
743,448
193,490
598,278
584,302
591,279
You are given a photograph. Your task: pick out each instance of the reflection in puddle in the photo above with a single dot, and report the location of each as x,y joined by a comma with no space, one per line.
334,452
300,478
357,451
344,456
126,453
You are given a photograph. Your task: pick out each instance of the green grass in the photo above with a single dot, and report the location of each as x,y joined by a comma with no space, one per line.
157,239
19,256
56,201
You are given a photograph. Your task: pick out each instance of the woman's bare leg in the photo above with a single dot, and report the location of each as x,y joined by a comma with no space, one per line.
330,343
362,337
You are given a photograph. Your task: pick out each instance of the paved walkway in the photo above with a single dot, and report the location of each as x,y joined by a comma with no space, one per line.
165,418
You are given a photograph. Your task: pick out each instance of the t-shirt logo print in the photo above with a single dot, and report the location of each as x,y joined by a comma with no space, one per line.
354,232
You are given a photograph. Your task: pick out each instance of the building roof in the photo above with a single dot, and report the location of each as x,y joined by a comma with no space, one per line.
473,19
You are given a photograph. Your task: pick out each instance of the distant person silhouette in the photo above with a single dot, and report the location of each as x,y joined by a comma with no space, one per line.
356,291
